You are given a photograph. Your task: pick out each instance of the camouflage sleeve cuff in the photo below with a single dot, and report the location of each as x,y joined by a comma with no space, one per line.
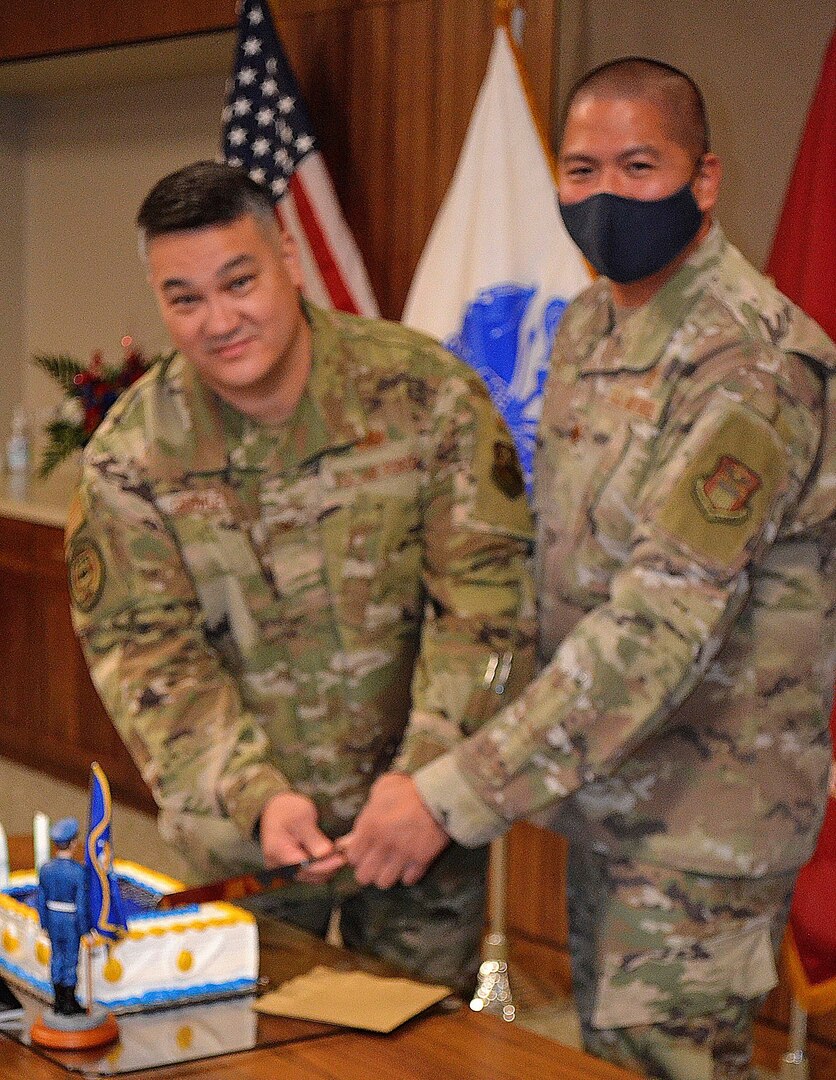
455,805
247,805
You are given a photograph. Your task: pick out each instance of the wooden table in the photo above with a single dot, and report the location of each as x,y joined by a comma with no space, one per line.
459,1045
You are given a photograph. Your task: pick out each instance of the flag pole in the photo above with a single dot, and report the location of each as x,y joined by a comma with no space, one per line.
509,15
89,954
493,988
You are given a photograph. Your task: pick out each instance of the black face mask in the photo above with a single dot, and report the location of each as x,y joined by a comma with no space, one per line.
630,239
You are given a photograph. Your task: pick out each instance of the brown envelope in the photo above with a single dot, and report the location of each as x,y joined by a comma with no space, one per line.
351,998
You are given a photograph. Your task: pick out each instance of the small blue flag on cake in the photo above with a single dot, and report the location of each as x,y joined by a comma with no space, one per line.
107,916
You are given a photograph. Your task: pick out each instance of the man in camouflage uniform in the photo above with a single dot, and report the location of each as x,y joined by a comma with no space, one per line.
296,560
685,487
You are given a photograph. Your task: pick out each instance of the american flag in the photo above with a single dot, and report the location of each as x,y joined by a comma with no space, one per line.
267,131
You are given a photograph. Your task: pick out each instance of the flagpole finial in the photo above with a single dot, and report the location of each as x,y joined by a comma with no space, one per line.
510,14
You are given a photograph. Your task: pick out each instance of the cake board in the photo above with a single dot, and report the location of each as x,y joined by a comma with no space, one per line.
168,1037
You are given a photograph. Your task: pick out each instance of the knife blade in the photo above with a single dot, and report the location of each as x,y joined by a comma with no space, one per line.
234,888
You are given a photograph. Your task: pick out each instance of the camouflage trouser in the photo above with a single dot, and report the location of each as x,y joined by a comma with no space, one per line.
431,930
669,968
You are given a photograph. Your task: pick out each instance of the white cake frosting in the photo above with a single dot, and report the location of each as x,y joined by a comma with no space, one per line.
166,958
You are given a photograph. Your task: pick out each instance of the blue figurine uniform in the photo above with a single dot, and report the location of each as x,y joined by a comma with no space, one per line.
64,914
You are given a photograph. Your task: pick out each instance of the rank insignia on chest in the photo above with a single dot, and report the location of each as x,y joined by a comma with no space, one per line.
724,495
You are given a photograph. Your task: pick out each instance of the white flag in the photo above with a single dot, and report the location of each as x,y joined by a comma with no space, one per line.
499,267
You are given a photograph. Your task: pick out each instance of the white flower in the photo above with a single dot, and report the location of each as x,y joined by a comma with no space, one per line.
71,410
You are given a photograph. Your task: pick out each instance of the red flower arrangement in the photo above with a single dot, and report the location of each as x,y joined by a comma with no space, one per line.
90,390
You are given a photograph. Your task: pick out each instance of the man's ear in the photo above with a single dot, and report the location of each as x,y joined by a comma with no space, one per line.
290,253
706,184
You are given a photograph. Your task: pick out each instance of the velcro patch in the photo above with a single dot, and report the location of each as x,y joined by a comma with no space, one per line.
86,574
506,472
721,499
724,495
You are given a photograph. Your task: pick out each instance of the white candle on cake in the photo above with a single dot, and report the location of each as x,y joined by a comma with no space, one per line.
4,859
40,839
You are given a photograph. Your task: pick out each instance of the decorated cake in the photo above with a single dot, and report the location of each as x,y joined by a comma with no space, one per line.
192,953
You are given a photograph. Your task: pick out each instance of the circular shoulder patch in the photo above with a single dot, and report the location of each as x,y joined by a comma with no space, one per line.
86,573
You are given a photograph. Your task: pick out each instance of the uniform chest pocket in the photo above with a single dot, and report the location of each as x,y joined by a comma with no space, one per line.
373,557
590,471
615,495
224,567
578,468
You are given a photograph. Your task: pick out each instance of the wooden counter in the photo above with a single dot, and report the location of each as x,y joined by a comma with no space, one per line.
459,1045
50,714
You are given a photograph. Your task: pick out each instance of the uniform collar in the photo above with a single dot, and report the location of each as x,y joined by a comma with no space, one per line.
329,415
636,341
331,388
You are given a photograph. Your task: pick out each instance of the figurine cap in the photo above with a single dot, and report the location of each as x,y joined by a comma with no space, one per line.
63,831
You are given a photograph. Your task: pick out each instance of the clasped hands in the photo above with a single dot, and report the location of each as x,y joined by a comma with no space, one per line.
394,838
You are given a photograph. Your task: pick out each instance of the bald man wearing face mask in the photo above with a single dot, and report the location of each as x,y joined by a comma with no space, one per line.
685,491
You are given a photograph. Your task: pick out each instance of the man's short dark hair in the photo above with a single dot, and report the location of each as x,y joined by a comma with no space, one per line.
202,194
675,93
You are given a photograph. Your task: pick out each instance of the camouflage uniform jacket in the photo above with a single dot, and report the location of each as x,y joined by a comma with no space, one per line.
685,486
308,605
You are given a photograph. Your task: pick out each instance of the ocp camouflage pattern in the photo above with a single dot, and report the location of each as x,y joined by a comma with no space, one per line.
685,486
668,967
302,606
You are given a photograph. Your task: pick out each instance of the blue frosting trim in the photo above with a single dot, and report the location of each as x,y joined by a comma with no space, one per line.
26,977
187,909
25,894
143,885
153,997
165,997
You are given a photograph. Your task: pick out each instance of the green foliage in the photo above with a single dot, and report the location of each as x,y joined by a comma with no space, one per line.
93,388
62,368
64,439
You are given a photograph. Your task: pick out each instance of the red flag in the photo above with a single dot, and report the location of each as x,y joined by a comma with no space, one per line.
811,941
268,132
803,259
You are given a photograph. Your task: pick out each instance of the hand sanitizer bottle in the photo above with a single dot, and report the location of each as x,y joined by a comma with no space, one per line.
17,445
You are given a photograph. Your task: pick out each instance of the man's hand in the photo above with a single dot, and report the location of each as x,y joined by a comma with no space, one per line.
395,837
290,834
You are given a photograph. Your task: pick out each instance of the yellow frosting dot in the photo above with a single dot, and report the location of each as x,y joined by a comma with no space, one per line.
185,1036
115,1055
43,952
185,960
112,970
11,942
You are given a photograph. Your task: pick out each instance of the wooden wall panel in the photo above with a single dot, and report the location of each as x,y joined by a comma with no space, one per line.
413,151
47,27
390,87
537,855
50,715
536,905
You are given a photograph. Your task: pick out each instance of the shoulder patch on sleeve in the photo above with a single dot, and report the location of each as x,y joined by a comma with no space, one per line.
718,502
505,470
86,573
725,494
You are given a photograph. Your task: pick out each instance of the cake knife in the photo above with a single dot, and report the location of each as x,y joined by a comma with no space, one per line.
235,888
